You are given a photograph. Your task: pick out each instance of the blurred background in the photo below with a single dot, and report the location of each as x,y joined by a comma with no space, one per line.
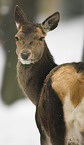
66,43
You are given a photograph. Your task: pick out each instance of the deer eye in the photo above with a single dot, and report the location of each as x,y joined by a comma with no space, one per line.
16,38
41,38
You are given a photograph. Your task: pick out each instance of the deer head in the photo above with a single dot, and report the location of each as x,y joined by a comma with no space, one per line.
30,37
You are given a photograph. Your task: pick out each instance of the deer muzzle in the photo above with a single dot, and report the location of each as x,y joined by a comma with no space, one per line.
25,56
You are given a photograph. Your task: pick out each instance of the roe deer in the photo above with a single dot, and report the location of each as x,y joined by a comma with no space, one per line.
57,91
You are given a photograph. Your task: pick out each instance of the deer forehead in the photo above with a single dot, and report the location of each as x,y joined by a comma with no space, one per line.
28,32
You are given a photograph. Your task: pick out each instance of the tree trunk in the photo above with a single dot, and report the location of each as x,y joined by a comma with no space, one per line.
10,89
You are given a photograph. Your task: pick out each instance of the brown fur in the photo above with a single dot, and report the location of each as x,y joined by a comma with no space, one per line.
61,81
74,83
31,77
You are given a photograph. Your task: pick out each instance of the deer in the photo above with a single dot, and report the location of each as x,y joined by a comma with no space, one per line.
57,91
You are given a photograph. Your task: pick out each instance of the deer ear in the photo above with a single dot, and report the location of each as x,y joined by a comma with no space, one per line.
20,17
51,22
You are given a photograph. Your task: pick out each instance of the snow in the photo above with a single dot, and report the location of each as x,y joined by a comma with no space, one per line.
17,122
67,41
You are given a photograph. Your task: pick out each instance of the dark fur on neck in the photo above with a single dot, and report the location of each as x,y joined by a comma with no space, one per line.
31,77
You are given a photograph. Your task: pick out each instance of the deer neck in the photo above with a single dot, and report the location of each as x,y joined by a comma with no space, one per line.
31,77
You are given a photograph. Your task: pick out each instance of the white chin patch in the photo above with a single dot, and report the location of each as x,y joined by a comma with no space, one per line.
25,61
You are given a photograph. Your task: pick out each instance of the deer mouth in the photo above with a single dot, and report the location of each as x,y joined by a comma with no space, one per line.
29,61
25,61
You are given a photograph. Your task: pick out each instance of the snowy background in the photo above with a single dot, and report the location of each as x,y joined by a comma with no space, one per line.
17,121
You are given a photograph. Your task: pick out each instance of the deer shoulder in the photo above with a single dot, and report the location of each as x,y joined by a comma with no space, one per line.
60,110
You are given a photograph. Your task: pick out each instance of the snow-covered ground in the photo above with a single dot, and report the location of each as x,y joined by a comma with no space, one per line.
17,122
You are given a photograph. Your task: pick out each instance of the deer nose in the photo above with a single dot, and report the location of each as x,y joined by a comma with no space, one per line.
25,56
